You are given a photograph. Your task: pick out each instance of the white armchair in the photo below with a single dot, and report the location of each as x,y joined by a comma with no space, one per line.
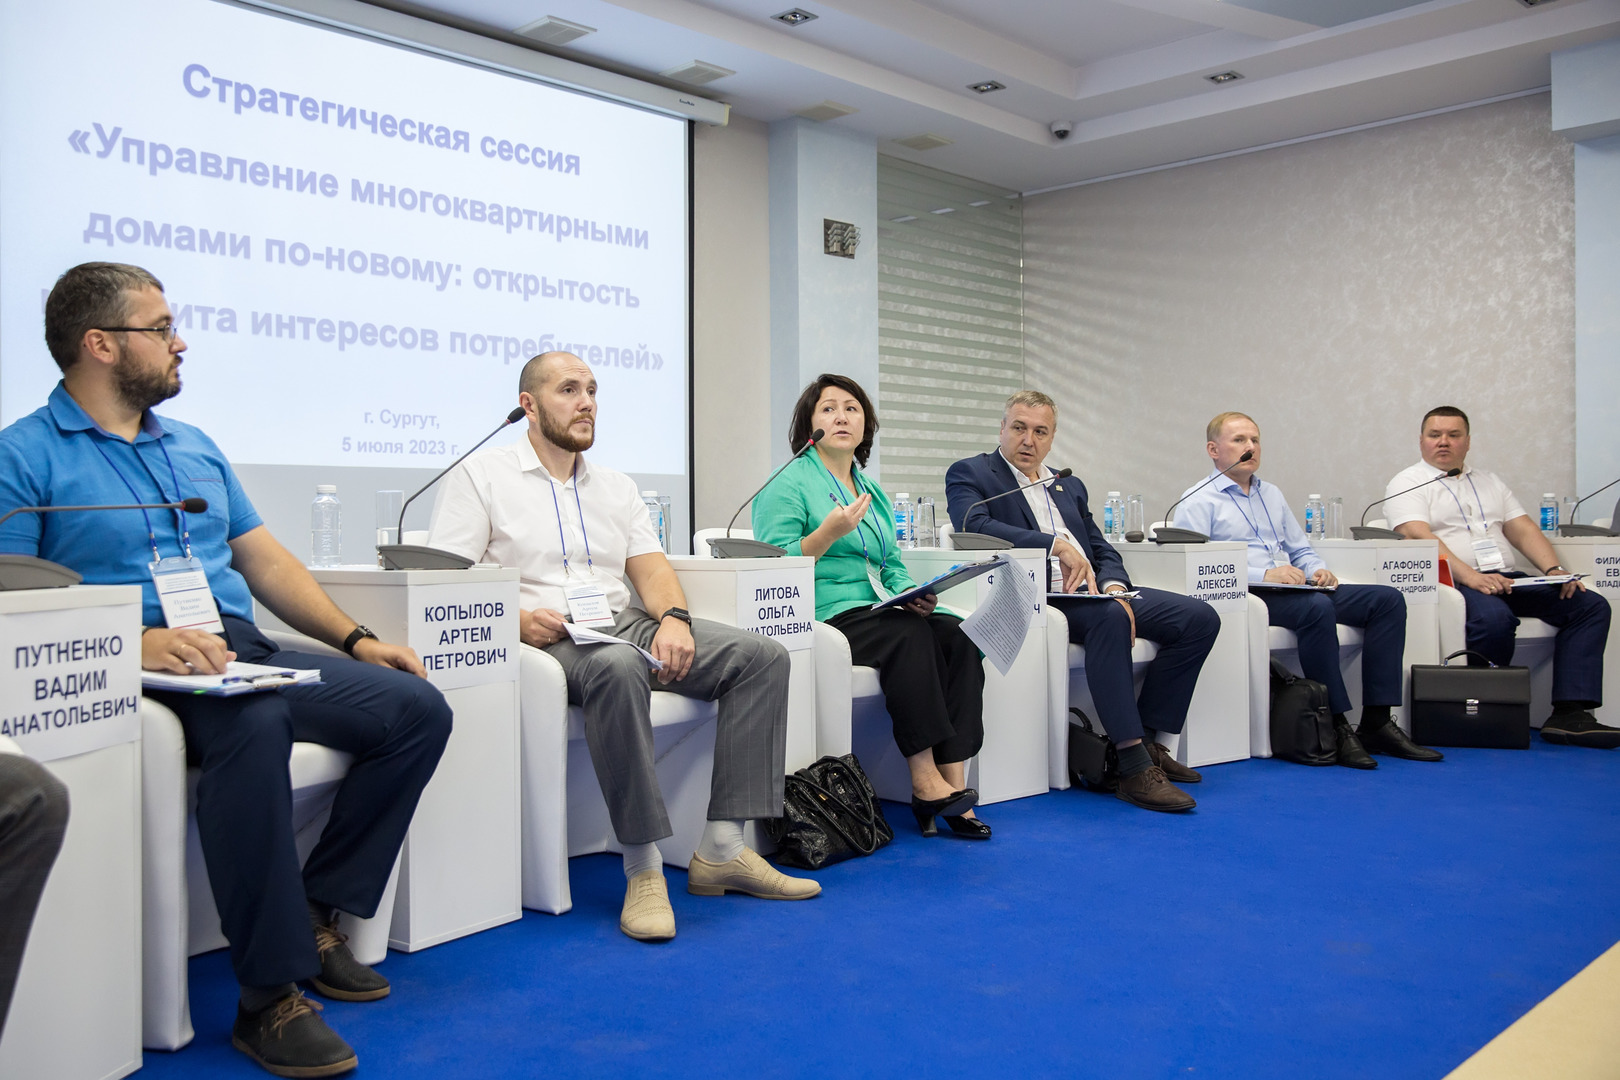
179,919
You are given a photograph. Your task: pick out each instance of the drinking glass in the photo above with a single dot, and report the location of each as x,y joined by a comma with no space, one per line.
388,504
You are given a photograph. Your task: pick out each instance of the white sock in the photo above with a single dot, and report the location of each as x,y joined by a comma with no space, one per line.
722,841
639,858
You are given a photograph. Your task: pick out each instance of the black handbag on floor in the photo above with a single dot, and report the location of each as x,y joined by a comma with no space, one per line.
829,814
1301,721
1093,761
1471,706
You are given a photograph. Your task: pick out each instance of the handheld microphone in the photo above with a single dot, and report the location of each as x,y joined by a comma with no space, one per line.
420,556
1169,534
1369,532
739,547
972,541
1572,529
32,572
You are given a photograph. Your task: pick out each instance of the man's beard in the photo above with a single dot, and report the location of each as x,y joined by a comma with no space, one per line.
562,437
140,389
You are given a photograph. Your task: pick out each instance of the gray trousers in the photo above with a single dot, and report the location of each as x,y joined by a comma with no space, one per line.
33,817
613,686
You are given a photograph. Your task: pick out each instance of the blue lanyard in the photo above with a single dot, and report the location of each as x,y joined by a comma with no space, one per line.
1251,522
836,495
151,533
1478,502
590,567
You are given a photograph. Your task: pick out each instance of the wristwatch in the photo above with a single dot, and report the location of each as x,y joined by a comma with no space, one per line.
1556,566
354,638
679,613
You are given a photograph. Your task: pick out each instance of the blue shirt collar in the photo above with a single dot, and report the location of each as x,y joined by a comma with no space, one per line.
70,416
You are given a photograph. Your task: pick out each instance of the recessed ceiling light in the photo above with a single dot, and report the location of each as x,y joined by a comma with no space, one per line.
795,17
981,202
554,31
697,73
1224,77
827,110
904,218
927,141
943,210
990,86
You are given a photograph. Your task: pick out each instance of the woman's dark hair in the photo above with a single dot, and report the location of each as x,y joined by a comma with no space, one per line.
803,423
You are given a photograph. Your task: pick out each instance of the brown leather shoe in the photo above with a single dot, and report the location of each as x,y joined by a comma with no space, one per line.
1174,770
1151,791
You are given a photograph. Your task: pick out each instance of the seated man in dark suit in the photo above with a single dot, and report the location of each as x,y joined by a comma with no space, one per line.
1054,516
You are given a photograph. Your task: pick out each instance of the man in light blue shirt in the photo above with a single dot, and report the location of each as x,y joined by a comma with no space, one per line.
1237,505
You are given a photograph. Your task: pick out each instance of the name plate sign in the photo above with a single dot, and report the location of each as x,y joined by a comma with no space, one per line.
1220,579
70,679
1606,572
779,604
466,635
1416,573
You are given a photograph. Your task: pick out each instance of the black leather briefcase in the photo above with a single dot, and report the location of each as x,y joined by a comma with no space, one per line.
1471,706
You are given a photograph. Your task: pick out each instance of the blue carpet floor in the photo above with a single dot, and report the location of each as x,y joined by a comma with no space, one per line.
1301,923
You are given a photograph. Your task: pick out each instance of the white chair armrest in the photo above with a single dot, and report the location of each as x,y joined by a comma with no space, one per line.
1259,678
1057,698
165,909
8,745
1453,617
543,712
834,691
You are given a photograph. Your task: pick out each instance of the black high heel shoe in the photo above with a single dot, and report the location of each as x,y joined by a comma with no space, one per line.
968,828
956,802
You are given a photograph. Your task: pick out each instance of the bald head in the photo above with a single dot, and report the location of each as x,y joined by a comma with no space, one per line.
558,392
539,368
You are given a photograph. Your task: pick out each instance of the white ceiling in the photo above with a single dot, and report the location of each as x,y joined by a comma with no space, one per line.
1128,74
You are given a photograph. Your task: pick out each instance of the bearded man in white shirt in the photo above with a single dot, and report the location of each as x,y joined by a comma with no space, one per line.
1479,523
576,531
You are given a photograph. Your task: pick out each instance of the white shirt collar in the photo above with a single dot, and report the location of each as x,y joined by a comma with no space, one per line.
1042,472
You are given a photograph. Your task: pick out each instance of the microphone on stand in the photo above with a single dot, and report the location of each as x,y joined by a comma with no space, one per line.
1572,529
972,541
740,547
420,556
1169,534
1371,532
32,572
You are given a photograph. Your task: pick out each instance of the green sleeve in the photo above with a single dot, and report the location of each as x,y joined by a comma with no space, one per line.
780,515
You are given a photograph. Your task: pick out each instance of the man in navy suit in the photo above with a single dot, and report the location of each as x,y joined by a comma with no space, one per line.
1054,516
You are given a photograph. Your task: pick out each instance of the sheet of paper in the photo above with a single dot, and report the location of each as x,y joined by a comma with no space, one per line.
1129,594
1554,579
998,625
1262,586
584,635
239,678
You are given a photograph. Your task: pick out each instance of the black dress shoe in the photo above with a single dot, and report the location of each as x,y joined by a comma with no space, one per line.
343,977
1352,755
957,802
1579,729
289,1038
1388,738
968,828
1174,771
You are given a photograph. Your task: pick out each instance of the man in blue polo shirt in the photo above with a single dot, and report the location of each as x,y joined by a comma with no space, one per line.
96,441
1236,505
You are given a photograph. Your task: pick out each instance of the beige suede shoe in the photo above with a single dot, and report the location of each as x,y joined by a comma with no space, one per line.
747,873
647,915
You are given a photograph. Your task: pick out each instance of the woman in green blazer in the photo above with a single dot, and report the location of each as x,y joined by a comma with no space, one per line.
824,506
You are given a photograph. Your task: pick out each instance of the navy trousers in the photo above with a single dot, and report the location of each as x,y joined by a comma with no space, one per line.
1184,629
395,724
1583,631
1378,610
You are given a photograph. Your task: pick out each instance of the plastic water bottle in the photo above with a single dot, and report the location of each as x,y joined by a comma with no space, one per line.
1315,518
326,527
904,520
658,510
927,526
1114,517
1549,513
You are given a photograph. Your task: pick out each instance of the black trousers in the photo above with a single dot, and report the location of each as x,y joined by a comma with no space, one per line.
932,678
395,724
33,819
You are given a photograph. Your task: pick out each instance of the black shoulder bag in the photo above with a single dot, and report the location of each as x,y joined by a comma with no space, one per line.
1301,721
829,814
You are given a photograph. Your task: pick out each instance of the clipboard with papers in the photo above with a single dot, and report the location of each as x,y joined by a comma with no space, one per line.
1128,594
1283,586
238,678
951,578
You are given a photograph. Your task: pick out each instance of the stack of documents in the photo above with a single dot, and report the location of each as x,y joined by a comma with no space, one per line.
239,678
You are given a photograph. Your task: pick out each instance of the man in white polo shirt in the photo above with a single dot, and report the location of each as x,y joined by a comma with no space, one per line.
576,531
1479,523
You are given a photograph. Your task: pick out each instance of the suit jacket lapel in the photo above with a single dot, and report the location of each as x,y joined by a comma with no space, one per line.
1010,481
